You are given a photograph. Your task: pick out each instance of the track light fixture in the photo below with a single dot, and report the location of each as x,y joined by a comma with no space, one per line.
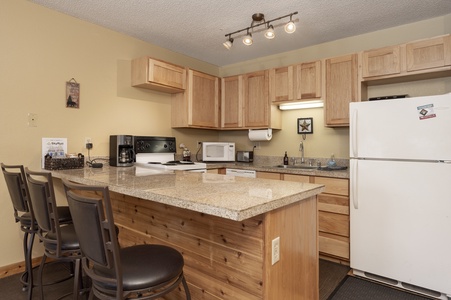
258,19
228,44
247,40
269,33
290,27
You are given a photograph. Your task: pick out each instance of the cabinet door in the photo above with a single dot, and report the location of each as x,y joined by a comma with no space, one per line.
203,99
281,84
232,102
341,89
256,100
430,53
383,61
308,80
158,75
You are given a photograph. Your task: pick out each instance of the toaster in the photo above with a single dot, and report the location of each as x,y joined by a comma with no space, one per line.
245,156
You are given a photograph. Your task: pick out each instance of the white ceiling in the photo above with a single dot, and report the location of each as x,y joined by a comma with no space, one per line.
197,28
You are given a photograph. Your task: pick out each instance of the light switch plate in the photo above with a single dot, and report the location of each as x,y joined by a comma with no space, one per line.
32,120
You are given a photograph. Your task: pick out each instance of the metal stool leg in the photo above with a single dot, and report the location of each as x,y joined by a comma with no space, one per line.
27,276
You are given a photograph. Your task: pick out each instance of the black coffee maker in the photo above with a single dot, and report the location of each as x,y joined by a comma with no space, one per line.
121,151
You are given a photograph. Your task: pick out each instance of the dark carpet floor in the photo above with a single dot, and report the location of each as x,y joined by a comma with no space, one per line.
11,287
354,288
334,284
330,276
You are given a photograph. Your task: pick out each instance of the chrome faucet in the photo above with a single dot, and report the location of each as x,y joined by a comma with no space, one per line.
301,148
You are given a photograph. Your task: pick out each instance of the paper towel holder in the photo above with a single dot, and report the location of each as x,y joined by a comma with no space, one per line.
261,134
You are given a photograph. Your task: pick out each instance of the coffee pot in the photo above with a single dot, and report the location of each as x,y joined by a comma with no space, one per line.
122,153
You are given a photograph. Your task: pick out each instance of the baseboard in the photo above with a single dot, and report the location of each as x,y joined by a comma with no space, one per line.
19,267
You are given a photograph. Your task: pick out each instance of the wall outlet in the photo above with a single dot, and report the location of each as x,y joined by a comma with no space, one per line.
275,250
257,146
199,144
88,143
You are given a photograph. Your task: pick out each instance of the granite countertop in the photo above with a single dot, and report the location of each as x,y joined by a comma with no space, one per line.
267,167
229,197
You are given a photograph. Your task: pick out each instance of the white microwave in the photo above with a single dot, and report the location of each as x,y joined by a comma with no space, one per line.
218,151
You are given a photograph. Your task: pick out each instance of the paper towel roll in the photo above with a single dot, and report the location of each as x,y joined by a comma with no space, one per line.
260,135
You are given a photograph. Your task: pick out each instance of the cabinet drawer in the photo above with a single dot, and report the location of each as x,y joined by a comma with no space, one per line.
268,175
333,203
333,223
336,186
297,178
334,245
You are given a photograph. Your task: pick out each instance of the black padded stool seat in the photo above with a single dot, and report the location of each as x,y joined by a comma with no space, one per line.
140,271
166,263
68,242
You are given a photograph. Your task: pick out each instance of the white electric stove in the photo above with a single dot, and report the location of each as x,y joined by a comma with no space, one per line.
158,153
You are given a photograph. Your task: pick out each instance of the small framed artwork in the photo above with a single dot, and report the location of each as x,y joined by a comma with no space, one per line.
305,125
72,94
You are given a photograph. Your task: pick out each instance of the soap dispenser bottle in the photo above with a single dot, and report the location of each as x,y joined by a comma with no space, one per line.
331,162
285,159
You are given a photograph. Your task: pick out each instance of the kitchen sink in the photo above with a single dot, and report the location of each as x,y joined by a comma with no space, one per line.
301,167
296,167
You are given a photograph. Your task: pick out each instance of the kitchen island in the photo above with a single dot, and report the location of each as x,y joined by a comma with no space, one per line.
224,226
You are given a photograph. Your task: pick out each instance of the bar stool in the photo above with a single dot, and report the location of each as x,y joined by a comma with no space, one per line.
59,240
137,272
23,214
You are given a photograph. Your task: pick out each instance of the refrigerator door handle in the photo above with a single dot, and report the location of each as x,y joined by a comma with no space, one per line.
354,119
354,178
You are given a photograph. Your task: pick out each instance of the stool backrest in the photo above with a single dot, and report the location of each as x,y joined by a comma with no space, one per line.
43,201
92,216
18,188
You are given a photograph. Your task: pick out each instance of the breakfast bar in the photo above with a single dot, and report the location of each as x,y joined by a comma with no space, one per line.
226,227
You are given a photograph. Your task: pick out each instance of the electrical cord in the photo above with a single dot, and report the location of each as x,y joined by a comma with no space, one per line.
93,163
197,153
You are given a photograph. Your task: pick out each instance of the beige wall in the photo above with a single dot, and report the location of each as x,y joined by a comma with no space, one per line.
42,49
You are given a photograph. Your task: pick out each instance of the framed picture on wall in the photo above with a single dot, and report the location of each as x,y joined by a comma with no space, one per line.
72,94
305,125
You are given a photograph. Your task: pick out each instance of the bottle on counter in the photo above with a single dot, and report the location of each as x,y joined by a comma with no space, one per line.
285,159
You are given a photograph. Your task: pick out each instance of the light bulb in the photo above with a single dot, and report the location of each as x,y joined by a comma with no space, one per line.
290,27
247,40
269,33
228,44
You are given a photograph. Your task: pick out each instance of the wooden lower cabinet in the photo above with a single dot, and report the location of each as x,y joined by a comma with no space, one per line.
226,259
333,215
268,175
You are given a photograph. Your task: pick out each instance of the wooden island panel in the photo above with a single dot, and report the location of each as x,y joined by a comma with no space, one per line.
226,259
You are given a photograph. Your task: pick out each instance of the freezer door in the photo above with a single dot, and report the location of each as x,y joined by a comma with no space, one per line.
412,128
401,221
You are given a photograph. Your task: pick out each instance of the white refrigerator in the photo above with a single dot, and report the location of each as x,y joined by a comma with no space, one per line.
400,182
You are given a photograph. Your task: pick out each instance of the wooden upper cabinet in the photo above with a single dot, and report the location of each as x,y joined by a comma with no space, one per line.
294,83
308,80
198,107
232,102
158,75
380,62
430,53
341,89
256,100
281,84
